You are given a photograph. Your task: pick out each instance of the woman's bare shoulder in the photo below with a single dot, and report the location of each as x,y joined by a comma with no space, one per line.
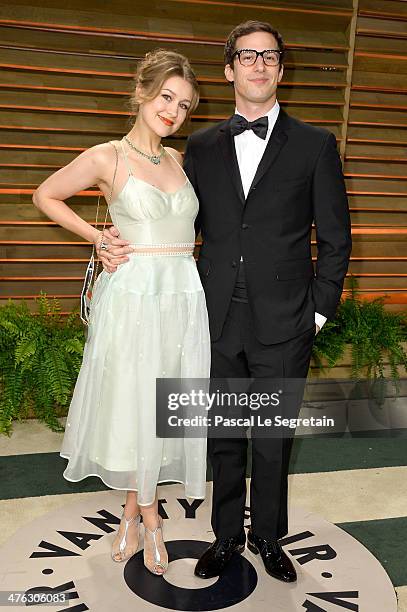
105,151
103,155
175,153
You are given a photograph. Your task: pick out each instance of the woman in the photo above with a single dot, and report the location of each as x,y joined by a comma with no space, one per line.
148,320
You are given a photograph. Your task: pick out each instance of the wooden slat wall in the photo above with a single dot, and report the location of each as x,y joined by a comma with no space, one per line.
65,74
376,148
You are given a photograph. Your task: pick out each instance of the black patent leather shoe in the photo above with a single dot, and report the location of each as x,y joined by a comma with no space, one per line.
217,556
276,562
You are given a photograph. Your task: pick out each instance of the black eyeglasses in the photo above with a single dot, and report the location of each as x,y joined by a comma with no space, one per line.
248,57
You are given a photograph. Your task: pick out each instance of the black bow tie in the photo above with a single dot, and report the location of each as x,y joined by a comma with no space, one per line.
238,125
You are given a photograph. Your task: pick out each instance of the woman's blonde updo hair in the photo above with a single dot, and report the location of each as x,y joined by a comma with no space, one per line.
152,72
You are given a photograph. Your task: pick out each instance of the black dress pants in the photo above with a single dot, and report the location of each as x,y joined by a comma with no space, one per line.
238,354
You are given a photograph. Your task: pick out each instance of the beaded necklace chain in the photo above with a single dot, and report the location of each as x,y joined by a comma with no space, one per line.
155,159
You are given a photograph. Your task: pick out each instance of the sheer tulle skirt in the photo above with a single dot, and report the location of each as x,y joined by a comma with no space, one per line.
148,321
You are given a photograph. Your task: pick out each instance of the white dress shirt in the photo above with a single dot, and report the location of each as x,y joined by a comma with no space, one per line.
249,151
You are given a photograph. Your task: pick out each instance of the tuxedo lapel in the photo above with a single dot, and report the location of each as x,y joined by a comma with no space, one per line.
227,145
277,140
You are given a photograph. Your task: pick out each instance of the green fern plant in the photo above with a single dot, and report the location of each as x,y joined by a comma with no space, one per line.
41,354
375,336
40,357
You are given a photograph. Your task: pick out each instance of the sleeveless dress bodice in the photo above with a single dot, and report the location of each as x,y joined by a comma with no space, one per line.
146,215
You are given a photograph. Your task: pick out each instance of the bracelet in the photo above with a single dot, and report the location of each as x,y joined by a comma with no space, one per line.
98,238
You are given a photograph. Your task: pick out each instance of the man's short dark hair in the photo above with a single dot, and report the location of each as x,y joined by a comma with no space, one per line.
248,27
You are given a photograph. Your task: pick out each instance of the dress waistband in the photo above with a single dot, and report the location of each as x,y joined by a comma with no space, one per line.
175,248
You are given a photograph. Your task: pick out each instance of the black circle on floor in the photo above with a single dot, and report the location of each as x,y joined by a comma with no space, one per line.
236,583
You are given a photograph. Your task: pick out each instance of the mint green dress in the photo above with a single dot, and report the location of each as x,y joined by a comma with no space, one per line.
148,320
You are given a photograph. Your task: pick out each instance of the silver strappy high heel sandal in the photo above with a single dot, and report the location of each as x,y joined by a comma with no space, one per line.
120,549
155,553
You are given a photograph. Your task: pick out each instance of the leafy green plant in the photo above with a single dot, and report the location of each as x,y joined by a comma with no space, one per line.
40,357
375,337
41,354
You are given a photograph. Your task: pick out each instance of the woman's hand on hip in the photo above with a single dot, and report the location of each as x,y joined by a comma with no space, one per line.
111,250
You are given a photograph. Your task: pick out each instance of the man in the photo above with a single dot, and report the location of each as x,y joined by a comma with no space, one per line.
262,178
260,185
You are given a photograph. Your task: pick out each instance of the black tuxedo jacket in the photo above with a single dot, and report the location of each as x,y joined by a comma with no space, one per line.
299,180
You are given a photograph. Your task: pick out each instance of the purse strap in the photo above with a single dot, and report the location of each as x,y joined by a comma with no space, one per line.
92,272
109,200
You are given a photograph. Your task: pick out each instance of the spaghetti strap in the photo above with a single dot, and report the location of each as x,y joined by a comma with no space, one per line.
177,162
125,158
